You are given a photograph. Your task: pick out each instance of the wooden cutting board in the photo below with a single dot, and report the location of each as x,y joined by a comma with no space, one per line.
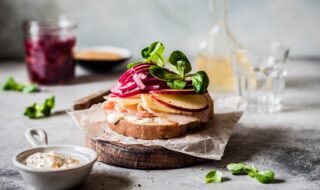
133,156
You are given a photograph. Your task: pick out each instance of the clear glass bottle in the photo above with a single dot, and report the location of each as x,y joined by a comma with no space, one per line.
216,53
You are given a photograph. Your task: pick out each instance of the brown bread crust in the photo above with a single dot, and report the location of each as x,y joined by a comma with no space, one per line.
150,132
158,131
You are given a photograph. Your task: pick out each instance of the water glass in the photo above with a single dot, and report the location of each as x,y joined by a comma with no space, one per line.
260,75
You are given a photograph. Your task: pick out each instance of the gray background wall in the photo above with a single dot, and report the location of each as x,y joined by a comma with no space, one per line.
180,24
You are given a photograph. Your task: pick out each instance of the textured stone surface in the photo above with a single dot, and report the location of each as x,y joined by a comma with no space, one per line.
286,142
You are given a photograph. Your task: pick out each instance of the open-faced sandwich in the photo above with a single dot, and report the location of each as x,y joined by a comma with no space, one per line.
158,97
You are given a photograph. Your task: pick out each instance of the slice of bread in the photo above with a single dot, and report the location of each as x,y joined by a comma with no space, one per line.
152,130
163,126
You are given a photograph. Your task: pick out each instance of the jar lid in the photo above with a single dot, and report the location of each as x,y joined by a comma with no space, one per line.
36,27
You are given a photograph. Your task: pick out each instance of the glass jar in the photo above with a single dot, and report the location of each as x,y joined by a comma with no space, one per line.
218,51
49,51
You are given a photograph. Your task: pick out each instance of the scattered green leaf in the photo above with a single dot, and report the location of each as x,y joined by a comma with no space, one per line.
253,172
214,176
239,168
30,88
40,110
31,111
12,85
266,176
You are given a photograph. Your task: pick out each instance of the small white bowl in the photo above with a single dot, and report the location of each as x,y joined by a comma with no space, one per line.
53,179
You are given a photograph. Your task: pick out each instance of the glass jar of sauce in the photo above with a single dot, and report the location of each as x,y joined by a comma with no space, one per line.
49,51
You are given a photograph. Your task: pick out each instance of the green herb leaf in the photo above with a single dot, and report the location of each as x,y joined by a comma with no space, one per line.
30,88
130,65
40,110
163,74
11,84
154,53
253,171
179,66
200,82
214,176
239,168
252,174
177,84
145,53
47,106
31,111
180,60
266,176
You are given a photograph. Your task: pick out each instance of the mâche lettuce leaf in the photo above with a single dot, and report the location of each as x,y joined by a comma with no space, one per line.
179,65
266,176
40,110
12,85
214,176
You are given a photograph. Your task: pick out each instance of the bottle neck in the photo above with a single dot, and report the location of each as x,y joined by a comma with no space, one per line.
219,11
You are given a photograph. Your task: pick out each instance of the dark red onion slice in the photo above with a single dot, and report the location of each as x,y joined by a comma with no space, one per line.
188,86
111,95
131,93
125,76
151,79
141,66
137,69
137,79
128,86
143,76
152,87
142,70
172,91
115,88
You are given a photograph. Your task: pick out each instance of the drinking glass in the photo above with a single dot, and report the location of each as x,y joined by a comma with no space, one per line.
49,50
260,72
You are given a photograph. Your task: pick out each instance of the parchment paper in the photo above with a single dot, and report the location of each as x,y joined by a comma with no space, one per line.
206,143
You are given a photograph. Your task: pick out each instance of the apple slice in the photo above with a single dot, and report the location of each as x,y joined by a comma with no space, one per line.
188,103
154,105
126,101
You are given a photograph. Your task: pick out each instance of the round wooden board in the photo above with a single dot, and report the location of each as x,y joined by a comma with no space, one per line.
140,157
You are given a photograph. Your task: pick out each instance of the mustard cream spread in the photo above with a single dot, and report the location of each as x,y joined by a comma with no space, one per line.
51,160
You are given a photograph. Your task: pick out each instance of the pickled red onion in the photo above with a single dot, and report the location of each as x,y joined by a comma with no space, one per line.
138,80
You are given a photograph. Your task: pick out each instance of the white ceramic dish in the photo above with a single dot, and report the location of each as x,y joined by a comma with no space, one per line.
54,179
